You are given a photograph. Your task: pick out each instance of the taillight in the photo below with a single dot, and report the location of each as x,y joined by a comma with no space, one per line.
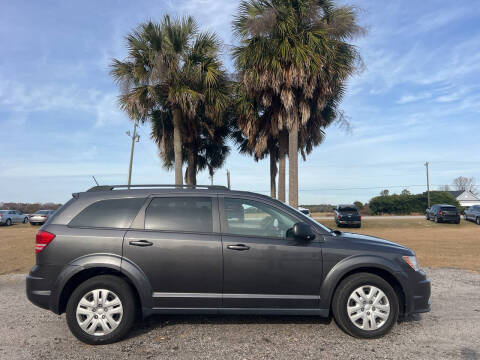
440,213
338,217
42,239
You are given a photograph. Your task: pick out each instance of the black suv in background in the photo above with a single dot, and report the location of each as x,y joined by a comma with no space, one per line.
473,214
443,213
107,255
348,215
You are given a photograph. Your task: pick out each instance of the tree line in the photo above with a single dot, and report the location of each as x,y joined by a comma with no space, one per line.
292,60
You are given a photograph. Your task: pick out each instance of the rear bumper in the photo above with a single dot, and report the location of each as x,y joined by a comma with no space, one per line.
349,222
449,218
38,292
37,220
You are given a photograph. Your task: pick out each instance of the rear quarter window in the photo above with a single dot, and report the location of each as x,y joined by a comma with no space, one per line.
114,213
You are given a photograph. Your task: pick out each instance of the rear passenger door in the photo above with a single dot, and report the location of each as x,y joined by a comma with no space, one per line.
178,247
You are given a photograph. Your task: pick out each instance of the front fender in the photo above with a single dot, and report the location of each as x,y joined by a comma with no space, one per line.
353,263
109,261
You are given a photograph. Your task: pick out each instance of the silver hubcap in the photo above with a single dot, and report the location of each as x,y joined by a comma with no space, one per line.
368,307
99,312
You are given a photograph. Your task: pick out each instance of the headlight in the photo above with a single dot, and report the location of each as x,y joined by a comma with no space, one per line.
412,261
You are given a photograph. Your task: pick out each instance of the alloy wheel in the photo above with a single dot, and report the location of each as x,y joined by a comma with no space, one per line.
99,312
368,307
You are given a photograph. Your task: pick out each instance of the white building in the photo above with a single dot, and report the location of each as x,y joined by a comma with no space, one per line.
465,198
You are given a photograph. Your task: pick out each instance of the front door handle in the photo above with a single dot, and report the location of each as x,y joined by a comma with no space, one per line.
140,243
238,247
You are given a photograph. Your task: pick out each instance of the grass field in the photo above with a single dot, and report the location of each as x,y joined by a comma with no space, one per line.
436,245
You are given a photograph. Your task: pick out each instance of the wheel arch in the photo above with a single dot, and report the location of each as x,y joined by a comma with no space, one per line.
382,268
87,267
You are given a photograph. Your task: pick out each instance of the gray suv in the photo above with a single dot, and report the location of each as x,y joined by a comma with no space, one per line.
108,255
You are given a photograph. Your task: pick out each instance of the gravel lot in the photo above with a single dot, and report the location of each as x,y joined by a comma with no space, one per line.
450,330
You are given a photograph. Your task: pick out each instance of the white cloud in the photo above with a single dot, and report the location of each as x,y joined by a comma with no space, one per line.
405,99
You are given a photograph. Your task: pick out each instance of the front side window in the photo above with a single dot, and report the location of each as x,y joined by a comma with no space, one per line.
253,218
115,213
180,214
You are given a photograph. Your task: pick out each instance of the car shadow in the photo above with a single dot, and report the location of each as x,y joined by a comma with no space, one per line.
161,321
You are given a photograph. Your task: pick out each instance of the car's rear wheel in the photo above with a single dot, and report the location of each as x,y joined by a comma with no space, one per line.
365,306
25,220
436,219
8,222
101,310
478,221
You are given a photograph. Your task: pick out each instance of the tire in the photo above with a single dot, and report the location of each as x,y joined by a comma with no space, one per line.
436,219
25,220
359,226
120,316
343,298
457,221
8,222
478,220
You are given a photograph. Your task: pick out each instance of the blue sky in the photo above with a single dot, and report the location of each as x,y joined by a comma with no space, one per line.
417,100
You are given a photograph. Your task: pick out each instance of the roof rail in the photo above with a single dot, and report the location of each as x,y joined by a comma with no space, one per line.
112,187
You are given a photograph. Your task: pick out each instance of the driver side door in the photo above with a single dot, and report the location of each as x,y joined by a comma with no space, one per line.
263,267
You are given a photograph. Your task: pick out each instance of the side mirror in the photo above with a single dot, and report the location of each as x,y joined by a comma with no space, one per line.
303,231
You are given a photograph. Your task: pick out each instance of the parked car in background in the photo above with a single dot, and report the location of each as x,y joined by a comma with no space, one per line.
348,215
304,211
40,216
473,214
443,213
9,217
108,255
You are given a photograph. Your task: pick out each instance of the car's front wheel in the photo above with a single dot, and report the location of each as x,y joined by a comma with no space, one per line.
101,310
478,221
25,220
365,306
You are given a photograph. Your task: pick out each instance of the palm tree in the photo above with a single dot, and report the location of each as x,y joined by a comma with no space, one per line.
210,149
174,69
294,57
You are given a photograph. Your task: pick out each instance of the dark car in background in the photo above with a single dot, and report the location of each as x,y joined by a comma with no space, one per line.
472,214
40,217
348,214
443,213
108,255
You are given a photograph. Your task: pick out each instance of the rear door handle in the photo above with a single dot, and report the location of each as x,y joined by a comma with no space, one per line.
238,247
140,243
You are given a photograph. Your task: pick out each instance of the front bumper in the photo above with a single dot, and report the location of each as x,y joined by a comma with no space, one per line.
418,297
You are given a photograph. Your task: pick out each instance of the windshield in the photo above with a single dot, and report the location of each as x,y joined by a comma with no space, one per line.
449,208
347,209
43,212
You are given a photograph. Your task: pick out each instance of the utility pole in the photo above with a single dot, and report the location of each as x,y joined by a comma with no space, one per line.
135,138
211,179
428,185
228,179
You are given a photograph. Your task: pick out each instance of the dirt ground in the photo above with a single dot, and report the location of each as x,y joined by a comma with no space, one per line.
436,245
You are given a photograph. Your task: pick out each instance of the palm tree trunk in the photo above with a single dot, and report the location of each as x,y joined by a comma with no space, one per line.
177,146
191,172
273,171
282,153
293,165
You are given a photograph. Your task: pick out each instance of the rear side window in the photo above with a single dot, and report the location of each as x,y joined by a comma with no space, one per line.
117,213
180,214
